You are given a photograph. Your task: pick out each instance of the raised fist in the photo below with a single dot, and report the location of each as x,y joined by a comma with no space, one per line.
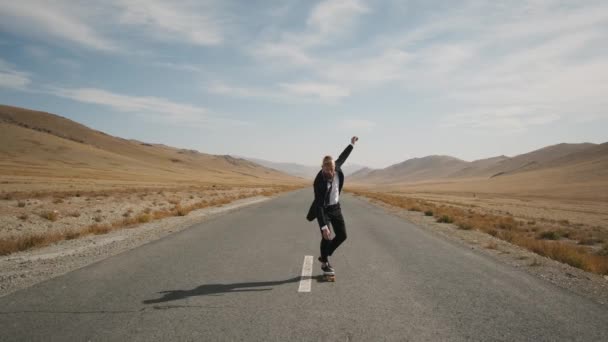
353,140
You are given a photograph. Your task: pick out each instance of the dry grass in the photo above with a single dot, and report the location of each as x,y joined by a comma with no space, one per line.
491,245
19,243
50,215
506,228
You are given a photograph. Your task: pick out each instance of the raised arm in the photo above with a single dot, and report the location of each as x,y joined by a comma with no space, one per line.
346,152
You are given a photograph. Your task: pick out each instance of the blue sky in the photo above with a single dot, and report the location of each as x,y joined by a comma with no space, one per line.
291,81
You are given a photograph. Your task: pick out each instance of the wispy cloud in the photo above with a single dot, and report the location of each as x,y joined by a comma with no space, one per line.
57,20
328,20
188,21
506,119
156,108
12,78
331,17
485,59
324,91
240,91
112,25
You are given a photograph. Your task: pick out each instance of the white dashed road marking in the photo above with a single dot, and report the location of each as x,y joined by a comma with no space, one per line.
305,279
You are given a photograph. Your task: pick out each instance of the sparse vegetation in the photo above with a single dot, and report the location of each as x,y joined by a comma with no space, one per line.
23,217
50,215
21,204
143,218
428,213
521,233
549,235
464,226
445,219
18,243
492,245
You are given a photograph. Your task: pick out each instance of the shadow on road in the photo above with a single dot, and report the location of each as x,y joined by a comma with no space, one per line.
211,289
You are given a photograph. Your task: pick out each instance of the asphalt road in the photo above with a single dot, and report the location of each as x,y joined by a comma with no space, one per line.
236,277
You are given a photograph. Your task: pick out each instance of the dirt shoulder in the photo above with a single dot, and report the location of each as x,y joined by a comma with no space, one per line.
586,284
23,269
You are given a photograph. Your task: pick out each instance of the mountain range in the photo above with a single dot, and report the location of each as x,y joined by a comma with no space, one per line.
40,144
584,159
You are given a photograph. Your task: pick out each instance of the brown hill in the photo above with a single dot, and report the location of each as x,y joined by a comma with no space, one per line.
535,160
47,146
572,171
413,170
434,168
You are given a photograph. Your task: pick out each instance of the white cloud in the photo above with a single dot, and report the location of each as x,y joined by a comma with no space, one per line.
225,89
506,119
289,53
180,21
179,66
156,108
328,20
324,91
111,25
55,19
335,16
12,78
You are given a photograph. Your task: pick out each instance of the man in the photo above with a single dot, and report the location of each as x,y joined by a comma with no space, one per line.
326,206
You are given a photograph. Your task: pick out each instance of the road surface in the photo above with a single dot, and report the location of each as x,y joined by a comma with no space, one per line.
238,277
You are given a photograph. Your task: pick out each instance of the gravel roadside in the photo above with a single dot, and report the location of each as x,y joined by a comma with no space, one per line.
24,269
586,284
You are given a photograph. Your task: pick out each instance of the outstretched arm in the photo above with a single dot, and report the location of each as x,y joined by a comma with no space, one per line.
346,152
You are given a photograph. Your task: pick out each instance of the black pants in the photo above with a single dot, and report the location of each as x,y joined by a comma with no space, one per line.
336,221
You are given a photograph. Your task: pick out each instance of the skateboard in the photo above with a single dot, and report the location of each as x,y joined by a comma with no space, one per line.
329,277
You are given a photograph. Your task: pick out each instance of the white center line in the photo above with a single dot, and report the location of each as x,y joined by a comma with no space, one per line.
305,279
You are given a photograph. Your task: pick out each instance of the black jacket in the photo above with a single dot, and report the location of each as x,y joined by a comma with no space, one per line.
317,208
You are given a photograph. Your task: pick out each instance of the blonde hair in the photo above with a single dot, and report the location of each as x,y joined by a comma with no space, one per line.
327,161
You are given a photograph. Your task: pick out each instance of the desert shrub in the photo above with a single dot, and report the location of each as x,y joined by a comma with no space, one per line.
549,235
50,215
181,211
72,234
590,241
465,226
21,204
445,219
97,218
23,217
98,230
58,200
428,213
144,217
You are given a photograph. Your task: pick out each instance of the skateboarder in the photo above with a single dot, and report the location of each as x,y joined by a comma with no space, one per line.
326,206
